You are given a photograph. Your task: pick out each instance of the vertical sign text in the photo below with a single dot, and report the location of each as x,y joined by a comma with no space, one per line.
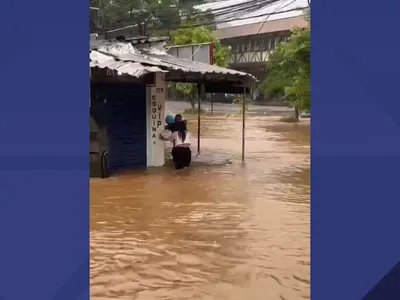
156,113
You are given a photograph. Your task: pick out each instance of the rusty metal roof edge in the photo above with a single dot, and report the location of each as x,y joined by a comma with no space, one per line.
133,69
223,70
163,60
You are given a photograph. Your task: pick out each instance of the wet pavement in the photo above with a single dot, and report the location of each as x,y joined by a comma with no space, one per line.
219,230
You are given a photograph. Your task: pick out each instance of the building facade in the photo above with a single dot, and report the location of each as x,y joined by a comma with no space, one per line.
252,44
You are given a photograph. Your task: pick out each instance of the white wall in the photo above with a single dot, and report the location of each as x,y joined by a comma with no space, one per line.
156,97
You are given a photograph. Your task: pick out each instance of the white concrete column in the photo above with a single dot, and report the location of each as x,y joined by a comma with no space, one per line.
156,97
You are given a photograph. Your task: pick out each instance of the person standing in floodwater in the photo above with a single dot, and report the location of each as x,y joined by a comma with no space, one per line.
181,139
171,125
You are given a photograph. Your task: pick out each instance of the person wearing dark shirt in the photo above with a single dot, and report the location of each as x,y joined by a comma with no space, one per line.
174,126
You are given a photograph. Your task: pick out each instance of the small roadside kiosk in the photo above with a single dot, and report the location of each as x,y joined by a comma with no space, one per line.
127,98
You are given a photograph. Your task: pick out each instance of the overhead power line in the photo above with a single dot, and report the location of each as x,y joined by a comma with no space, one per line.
249,4
230,13
224,14
278,8
240,19
229,17
244,8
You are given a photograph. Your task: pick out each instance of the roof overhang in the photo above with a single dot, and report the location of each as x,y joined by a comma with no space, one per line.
127,60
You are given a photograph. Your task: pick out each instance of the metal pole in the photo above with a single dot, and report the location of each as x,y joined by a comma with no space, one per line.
198,117
212,104
243,122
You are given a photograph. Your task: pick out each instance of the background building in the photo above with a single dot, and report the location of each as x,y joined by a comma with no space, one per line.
253,28
251,44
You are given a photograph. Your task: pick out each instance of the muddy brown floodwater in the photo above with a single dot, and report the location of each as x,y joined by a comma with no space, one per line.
219,230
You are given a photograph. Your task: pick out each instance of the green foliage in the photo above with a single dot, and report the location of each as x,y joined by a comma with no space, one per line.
186,89
197,35
120,13
288,70
161,16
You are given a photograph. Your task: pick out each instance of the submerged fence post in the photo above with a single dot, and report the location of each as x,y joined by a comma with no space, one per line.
199,90
212,104
243,123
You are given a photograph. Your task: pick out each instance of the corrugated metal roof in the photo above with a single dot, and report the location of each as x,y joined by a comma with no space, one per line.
261,28
104,60
134,69
129,60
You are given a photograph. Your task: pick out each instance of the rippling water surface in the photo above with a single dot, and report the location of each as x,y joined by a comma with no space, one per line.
219,230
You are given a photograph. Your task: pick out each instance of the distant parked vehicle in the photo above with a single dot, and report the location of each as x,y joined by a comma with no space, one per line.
305,114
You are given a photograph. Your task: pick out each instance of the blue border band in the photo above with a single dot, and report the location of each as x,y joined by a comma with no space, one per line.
355,150
44,159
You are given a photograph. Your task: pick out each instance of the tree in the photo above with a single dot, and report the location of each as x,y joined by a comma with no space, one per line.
197,35
160,16
120,13
288,70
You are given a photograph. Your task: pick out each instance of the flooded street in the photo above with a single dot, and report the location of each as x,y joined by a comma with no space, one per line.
219,230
